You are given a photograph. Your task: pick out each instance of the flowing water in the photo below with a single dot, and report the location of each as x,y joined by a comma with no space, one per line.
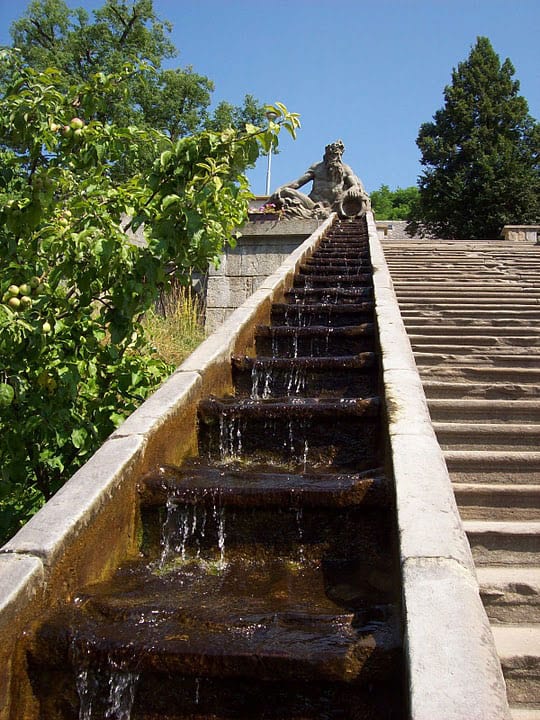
267,585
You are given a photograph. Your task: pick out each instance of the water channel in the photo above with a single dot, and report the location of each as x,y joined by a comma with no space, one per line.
267,585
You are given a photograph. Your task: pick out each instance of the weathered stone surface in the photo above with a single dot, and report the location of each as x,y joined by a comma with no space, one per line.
22,582
229,292
272,226
267,248
428,520
454,672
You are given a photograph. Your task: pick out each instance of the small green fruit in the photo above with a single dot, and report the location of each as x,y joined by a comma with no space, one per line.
34,282
14,303
6,394
46,328
77,123
13,290
24,289
26,302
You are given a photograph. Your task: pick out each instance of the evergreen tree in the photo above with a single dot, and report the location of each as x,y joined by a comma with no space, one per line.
480,154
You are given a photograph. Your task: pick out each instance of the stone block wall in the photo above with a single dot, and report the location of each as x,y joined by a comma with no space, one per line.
264,245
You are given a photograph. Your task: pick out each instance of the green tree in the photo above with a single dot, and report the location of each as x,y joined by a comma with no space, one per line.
226,115
394,204
74,360
174,101
480,153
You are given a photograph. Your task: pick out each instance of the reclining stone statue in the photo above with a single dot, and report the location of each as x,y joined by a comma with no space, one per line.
335,189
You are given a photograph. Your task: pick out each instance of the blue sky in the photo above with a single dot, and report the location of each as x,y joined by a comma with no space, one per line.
366,72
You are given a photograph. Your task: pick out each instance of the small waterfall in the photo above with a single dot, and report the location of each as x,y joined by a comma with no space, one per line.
261,375
297,377
106,692
230,436
184,533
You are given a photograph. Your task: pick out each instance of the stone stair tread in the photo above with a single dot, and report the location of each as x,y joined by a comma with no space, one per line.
502,527
486,428
525,713
485,357
293,406
493,351
524,579
486,404
230,484
471,330
347,330
493,457
514,641
479,339
498,389
473,373
493,489
333,362
267,621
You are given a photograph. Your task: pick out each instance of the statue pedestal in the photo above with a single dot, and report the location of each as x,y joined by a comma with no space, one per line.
265,243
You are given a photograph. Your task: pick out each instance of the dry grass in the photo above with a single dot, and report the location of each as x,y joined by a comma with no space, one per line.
178,328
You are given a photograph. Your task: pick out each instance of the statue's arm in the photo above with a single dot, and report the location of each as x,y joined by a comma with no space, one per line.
305,178
353,183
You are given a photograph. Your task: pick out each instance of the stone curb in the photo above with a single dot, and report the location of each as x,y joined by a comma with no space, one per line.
453,669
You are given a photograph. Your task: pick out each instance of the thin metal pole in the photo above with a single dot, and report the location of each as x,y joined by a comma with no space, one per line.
268,171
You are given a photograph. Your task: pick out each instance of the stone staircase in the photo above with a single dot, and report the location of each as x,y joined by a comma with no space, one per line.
472,312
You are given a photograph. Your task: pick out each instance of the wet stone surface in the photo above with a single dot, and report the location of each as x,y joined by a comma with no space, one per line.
267,583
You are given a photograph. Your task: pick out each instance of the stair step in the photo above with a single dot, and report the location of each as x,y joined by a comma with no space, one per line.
485,356
475,374
490,466
510,594
439,302
525,712
499,331
230,485
498,436
518,647
315,340
490,501
496,390
504,542
493,410
453,343
246,619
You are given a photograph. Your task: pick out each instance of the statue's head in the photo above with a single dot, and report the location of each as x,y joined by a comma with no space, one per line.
334,151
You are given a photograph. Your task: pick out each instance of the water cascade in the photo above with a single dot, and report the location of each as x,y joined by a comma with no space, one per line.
267,585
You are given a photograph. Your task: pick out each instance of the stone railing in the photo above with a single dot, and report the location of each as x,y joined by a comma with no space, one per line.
521,233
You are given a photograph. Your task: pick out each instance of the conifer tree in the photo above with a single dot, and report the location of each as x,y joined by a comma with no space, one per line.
480,154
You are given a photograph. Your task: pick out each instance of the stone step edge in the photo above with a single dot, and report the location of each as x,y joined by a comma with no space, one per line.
489,460
514,642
